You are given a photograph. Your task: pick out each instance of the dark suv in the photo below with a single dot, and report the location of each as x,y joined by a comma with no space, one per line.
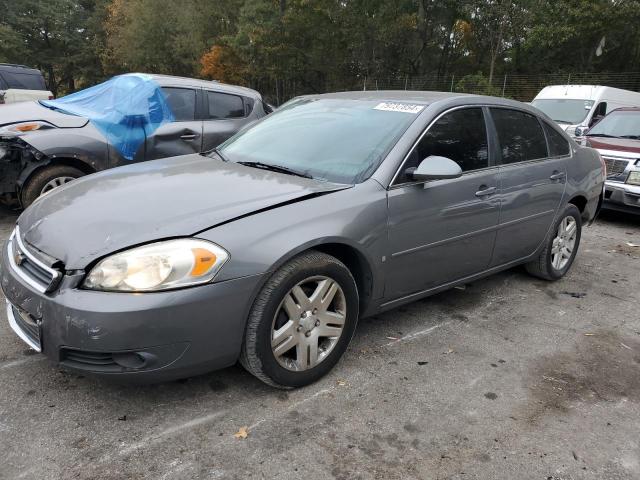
43,146
20,84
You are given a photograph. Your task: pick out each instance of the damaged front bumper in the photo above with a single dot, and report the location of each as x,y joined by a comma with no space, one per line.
16,156
139,337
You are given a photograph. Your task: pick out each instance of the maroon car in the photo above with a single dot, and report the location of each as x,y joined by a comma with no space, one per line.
617,138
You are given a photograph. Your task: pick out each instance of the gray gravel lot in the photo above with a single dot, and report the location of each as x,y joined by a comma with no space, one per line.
510,378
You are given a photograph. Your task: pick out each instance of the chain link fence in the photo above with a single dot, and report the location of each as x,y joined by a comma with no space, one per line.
518,87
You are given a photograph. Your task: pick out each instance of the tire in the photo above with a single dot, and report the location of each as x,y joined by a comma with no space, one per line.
544,266
35,185
271,313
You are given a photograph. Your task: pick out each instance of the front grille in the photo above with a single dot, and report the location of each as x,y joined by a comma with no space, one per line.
27,324
615,166
33,271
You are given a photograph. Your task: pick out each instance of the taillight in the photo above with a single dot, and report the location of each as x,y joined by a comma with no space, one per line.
51,97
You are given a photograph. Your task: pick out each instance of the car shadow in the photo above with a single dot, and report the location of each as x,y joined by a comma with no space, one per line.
621,219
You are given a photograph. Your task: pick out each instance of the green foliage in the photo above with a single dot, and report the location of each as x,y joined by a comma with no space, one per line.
55,36
477,84
285,46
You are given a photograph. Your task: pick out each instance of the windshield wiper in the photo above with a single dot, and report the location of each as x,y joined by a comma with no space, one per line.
632,137
600,135
275,168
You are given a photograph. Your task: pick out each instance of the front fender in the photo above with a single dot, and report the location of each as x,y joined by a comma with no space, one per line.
85,145
261,243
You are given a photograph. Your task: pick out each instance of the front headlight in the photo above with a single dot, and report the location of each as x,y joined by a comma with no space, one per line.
18,129
634,178
158,266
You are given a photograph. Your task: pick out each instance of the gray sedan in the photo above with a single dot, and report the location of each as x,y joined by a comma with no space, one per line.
268,250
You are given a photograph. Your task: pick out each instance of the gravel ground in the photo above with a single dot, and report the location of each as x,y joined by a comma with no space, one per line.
510,378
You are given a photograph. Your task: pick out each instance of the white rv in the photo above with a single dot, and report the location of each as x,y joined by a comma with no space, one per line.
573,106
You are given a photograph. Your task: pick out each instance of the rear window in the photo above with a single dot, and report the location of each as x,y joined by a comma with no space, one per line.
558,145
520,135
223,105
22,81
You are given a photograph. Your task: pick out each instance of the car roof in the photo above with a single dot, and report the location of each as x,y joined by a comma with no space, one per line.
428,98
170,80
15,68
416,96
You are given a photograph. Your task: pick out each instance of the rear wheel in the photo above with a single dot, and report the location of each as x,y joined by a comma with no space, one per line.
562,246
301,322
46,180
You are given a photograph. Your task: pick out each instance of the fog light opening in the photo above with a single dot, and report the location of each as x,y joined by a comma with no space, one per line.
133,360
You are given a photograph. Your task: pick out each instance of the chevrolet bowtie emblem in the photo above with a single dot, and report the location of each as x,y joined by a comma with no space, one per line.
18,258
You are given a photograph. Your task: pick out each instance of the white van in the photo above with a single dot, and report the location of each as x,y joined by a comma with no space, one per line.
20,84
573,106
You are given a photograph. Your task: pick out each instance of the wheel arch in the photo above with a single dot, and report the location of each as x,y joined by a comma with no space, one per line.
580,201
69,161
358,263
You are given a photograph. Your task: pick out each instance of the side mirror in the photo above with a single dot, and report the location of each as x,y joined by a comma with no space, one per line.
580,131
434,168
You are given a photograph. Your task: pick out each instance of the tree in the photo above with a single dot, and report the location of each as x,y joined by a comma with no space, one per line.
56,36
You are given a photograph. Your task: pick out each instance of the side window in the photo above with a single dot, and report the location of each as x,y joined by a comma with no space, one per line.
520,135
558,145
24,81
599,112
182,102
224,105
460,135
601,109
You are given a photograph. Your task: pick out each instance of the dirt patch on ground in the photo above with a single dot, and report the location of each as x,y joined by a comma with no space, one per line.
629,249
602,367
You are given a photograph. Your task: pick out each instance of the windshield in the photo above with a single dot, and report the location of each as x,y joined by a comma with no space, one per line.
337,140
621,123
572,112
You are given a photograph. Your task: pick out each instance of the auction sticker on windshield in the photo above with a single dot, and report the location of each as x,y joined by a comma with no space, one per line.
399,107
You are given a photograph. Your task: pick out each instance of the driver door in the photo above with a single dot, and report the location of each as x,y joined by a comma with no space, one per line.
445,230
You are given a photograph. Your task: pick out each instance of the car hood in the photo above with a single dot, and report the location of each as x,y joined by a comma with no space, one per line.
174,197
32,111
622,145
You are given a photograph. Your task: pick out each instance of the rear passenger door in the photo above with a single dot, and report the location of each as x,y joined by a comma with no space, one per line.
224,115
182,136
532,180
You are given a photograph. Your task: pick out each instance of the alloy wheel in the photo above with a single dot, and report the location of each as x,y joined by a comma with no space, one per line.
564,243
55,183
308,323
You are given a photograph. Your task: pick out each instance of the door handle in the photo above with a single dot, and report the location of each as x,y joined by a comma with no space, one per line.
188,136
557,176
486,191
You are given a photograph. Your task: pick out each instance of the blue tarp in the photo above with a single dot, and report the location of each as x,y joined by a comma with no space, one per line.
125,110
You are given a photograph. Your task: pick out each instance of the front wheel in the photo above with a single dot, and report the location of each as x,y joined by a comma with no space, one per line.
562,246
301,322
47,180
